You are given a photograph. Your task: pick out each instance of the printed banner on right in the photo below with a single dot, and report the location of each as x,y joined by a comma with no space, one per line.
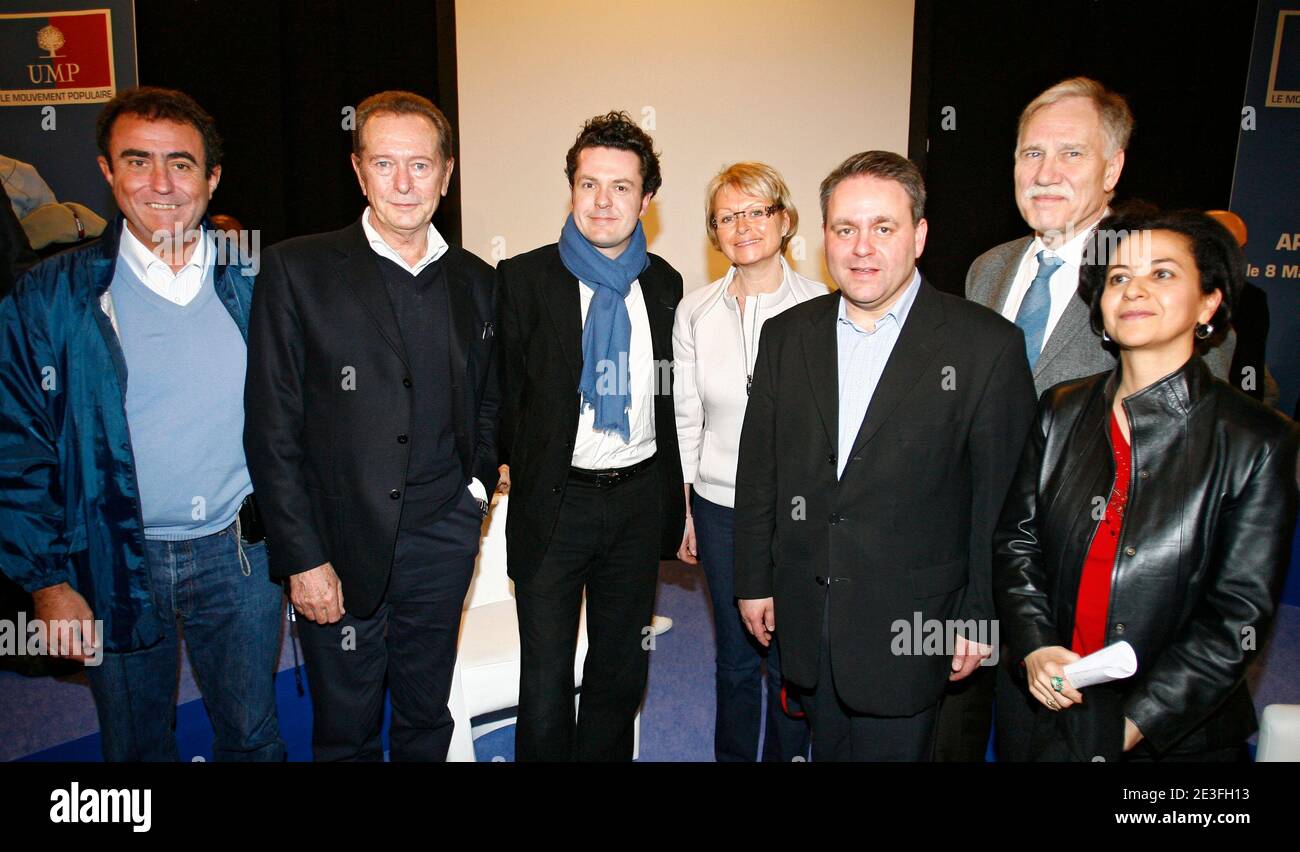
1265,190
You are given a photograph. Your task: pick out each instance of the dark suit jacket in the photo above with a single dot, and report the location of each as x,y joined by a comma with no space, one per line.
541,346
908,528
328,396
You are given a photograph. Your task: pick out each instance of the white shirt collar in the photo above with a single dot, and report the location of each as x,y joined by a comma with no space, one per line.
178,287
1072,252
147,266
435,246
774,297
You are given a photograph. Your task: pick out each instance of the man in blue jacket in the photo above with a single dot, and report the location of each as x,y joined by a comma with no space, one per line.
127,505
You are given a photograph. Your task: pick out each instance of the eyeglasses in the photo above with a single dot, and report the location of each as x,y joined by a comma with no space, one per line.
753,214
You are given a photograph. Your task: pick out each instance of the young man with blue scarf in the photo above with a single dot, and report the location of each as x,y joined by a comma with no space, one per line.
591,440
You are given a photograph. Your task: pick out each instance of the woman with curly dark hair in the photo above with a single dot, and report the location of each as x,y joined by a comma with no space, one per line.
1154,504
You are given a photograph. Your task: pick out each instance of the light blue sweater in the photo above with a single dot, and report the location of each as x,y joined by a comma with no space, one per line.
184,406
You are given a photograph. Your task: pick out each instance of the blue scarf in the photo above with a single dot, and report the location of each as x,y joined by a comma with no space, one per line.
607,337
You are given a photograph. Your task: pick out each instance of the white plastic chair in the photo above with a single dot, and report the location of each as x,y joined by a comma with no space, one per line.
1279,734
486,676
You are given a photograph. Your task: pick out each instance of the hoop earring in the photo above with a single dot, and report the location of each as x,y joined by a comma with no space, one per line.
1105,338
1203,330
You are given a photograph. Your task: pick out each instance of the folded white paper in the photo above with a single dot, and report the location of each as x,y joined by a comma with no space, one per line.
1114,662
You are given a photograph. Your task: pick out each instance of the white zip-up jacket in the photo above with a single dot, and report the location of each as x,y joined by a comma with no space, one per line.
714,349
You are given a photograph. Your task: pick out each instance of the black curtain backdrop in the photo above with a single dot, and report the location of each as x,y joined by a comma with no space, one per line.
1182,65
276,76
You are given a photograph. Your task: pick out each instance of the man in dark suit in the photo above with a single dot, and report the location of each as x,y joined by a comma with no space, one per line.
596,496
372,401
1069,154
882,433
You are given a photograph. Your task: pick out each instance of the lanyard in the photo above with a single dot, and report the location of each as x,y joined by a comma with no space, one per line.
747,348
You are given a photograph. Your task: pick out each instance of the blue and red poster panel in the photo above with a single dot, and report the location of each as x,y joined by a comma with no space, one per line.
59,63
1266,186
70,57
1266,195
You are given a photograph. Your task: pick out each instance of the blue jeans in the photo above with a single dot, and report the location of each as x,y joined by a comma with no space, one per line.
230,612
740,658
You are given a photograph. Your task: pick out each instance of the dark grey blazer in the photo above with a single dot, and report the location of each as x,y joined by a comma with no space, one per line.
1072,350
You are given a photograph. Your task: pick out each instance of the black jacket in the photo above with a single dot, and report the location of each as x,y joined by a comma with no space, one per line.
908,528
541,346
16,255
1203,550
328,403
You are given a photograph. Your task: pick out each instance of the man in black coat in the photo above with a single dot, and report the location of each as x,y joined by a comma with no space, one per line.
881,436
596,483
371,405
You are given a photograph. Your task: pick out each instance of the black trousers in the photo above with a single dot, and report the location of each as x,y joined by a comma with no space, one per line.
410,641
970,707
606,540
965,718
840,733
1014,713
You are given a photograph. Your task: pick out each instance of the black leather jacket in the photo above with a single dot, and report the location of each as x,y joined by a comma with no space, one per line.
1203,550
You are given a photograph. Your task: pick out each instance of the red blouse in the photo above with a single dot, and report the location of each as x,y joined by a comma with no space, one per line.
1093,603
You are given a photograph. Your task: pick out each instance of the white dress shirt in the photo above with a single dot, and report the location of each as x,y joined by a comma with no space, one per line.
434,247
1063,284
179,288
594,450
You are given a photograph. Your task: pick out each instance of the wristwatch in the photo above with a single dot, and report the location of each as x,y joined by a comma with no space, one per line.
482,506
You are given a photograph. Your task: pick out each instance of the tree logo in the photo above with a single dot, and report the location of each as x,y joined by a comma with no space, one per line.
50,38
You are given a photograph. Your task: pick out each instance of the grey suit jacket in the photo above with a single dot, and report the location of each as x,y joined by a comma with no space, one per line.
1072,350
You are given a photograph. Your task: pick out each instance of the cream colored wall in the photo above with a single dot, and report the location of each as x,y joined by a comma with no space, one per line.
799,84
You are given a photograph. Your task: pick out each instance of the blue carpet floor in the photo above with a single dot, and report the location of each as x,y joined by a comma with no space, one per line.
54,718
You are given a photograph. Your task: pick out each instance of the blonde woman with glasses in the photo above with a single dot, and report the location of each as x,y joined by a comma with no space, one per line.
750,218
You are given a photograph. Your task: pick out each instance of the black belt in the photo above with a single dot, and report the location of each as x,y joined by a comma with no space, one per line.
609,478
251,529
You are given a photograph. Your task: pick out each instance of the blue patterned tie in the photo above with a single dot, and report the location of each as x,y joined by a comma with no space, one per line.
1037,304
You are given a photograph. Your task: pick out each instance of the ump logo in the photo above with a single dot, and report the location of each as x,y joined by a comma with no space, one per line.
50,38
72,61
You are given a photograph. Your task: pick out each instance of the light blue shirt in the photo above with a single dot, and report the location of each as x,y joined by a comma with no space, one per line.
862,359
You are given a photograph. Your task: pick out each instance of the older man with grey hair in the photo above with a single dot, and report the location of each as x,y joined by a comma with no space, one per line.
1069,154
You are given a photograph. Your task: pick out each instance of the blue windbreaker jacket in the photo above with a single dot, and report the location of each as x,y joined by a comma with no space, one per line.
69,500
